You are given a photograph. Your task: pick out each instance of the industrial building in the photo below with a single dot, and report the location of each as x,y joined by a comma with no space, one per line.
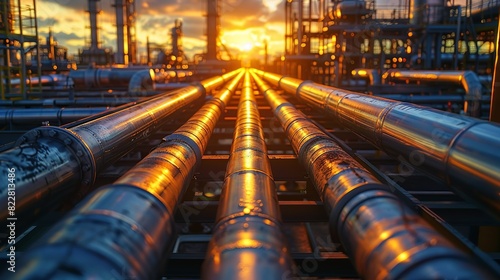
369,149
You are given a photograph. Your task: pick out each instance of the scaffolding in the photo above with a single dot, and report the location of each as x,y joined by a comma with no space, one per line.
18,37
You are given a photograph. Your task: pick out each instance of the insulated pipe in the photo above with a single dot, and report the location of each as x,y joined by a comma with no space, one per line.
110,78
55,81
57,102
123,230
38,116
383,237
467,79
247,240
45,173
464,151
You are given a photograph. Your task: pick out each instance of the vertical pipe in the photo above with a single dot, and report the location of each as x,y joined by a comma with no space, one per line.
212,29
299,27
384,238
123,230
94,38
120,39
130,16
23,54
38,57
247,240
495,92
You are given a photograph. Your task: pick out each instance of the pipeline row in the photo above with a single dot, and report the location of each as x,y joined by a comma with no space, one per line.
463,151
247,240
53,162
382,236
123,230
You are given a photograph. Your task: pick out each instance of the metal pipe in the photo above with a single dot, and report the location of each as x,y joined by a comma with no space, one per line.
212,29
54,81
384,238
115,78
441,99
463,151
495,85
247,241
121,58
107,101
94,145
371,74
41,115
93,11
467,79
124,229
142,81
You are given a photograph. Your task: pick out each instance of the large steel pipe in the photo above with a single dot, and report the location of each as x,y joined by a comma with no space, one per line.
123,230
115,78
40,115
43,175
384,238
247,241
463,151
60,102
467,79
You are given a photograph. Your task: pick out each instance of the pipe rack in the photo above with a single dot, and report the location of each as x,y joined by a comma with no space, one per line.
463,151
124,229
51,162
384,238
247,241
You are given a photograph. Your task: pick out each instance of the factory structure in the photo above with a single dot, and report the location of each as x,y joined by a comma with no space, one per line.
369,149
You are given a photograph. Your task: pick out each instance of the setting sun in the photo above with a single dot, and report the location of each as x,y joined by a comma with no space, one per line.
245,46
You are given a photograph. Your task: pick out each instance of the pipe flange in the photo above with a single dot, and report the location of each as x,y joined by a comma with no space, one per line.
77,146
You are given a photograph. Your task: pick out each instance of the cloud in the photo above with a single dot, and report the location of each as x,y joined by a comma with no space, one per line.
155,18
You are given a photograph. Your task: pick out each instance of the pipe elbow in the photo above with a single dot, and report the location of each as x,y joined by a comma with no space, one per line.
141,81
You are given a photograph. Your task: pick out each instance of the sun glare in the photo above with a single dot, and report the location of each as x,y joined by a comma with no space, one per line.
246,46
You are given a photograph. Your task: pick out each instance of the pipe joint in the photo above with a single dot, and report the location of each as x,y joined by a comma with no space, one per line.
176,137
75,144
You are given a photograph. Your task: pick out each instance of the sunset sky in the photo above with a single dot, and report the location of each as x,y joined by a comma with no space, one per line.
245,24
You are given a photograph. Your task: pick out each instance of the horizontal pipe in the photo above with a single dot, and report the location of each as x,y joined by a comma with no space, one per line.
467,79
384,238
124,229
50,116
463,151
59,102
115,78
247,240
54,81
441,99
95,145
